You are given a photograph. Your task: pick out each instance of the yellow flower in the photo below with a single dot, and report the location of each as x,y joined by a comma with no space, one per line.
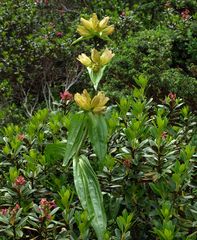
83,100
83,31
97,104
103,23
95,56
94,27
97,60
106,56
108,30
85,60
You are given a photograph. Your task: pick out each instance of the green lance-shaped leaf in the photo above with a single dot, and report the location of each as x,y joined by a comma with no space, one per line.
97,133
89,193
96,76
54,152
76,134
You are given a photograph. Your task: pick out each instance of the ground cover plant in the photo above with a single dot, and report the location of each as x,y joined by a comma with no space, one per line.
154,38
89,167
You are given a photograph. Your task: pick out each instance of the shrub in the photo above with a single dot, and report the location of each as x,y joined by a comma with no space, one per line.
147,177
35,43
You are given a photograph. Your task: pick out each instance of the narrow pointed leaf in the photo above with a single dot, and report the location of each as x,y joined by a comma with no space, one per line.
88,190
54,152
76,133
98,133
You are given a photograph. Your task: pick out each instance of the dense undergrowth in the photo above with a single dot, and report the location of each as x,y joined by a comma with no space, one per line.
147,178
156,38
124,165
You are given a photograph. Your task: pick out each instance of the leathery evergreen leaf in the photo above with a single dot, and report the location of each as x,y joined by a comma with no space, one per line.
97,132
76,133
89,193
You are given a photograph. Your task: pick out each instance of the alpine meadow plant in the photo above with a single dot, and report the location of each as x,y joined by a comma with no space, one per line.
88,171
91,124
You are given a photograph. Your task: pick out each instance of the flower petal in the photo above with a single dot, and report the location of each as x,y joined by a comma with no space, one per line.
87,24
108,30
103,23
95,56
99,109
94,20
83,31
84,59
106,56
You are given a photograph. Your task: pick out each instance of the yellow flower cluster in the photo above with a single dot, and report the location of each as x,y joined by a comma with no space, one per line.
96,104
97,60
94,27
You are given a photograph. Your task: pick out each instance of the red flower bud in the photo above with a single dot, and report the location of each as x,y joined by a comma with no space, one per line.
66,96
15,209
21,137
59,34
185,14
43,202
52,204
20,181
4,211
164,135
172,96
127,163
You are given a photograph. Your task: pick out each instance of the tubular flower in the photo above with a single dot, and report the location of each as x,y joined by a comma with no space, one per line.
106,56
97,60
97,104
93,27
85,60
83,100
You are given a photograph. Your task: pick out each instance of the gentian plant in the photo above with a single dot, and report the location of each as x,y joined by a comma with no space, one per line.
91,124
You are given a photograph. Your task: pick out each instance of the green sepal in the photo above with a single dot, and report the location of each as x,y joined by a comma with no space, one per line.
96,76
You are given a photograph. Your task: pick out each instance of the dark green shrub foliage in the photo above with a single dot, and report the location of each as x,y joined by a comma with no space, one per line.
35,52
148,177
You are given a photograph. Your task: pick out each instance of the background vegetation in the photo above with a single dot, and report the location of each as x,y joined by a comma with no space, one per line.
156,38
